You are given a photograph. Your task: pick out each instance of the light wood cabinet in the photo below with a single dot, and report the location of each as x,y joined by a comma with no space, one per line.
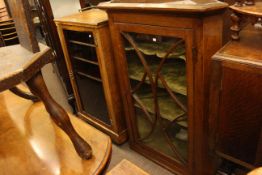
87,48
162,56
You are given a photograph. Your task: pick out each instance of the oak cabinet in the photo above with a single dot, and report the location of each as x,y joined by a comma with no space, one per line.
86,45
162,56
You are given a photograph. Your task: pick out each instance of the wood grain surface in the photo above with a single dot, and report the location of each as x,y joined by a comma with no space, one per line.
255,10
92,17
175,6
19,64
235,113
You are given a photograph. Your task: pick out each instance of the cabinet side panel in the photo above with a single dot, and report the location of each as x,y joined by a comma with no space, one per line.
111,85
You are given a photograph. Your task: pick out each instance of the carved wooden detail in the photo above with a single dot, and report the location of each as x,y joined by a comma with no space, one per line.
249,12
235,28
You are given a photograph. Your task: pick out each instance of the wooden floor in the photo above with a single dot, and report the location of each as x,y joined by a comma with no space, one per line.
31,144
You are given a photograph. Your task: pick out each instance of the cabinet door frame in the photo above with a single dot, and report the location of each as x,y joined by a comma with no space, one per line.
80,108
121,64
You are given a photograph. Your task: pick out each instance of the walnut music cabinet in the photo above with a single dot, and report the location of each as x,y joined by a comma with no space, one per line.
162,55
236,100
86,45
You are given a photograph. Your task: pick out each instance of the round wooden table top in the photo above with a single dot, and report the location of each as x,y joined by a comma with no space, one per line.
32,144
252,10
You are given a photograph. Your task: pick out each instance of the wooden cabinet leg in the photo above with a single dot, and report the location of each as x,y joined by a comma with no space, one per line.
58,114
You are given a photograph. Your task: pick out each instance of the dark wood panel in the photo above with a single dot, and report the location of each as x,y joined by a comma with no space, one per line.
240,114
235,112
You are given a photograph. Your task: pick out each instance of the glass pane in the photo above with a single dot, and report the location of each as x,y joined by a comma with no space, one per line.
92,98
157,73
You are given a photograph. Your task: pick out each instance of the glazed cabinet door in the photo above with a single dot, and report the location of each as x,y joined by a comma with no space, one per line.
155,65
88,85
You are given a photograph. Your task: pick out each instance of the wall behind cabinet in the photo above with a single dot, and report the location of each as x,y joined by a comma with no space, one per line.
64,7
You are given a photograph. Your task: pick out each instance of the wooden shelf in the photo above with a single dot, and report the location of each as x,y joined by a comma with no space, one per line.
12,38
174,72
8,28
89,76
82,43
8,34
85,60
169,110
158,138
6,24
159,49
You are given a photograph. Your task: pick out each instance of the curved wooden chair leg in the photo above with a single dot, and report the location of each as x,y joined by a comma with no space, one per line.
58,114
24,94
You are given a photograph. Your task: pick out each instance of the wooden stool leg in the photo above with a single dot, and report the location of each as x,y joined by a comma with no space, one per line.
58,114
23,94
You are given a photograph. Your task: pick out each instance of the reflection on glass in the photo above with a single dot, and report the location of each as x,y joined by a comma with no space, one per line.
157,72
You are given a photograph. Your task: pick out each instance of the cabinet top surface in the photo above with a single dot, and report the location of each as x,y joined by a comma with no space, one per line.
247,50
175,6
92,17
255,10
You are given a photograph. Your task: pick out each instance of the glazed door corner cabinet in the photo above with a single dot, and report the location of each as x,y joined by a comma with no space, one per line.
162,55
87,48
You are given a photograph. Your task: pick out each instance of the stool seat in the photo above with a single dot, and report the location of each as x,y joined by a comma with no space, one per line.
17,64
